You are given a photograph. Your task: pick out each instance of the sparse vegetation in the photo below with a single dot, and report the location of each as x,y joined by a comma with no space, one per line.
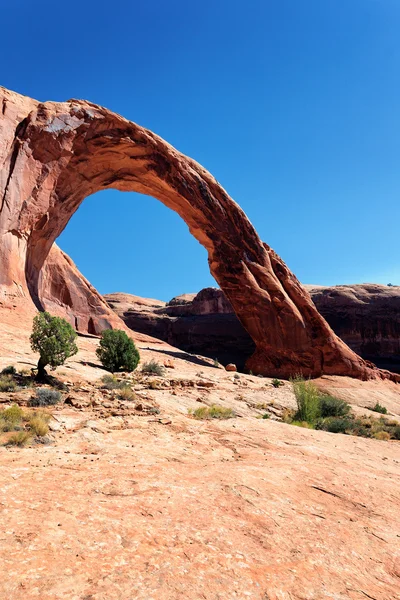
39,424
153,368
45,397
213,412
330,406
276,383
54,339
7,383
379,409
20,438
110,382
117,351
236,376
216,363
25,425
10,370
266,416
308,401
127,393
382,435
316,410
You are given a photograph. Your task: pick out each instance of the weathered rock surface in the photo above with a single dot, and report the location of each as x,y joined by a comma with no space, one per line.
53,155
202,323
133,507
365,316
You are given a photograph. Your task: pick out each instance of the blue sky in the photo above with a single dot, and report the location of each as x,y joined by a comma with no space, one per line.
293,105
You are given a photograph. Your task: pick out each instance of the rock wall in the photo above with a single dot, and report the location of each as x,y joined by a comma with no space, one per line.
366,317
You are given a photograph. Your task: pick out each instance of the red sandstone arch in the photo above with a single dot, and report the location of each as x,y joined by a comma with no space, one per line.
53,155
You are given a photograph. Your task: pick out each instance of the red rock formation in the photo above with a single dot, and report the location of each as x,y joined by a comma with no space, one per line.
53,155
364,316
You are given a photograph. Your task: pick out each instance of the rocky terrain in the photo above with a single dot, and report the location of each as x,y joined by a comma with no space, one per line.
53,155
365,316
139,500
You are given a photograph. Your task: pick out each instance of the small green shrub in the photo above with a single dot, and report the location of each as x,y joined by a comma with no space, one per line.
379,409
7,383
335,424
382,435
20,438
308,401
276,383
110,382
117,351
333,407
45,397
10,370
266,416
213,412
236,376
216,363
153,368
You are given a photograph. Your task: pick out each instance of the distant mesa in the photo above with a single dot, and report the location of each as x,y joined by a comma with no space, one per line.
53,155
365,316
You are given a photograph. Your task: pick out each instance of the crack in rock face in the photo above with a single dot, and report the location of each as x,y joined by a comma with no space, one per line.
53,155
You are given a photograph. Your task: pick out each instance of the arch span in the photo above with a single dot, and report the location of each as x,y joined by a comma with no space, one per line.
56,154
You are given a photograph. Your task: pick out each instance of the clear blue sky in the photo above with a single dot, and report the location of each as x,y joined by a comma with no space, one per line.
293,105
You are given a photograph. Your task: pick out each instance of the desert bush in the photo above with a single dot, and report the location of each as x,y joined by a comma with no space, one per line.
335,424
153,368
213,412
276,383
266,416
13,414
7,383
127,393
110,382
333,407
303,424
236,376
20,438
382,435
396,432
54,339
38,425
216,363
308,401
45,397
10,370
379,409
117,351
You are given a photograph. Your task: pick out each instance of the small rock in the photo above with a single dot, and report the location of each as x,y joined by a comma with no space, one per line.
206,384
230,367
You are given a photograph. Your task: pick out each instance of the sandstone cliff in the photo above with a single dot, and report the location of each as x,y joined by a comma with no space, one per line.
365,316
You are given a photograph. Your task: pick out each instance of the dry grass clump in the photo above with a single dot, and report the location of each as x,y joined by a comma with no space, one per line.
7,383
127,393
212,412
111,382
26,425
153,368
20,438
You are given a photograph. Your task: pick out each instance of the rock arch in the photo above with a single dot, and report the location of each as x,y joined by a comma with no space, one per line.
53,155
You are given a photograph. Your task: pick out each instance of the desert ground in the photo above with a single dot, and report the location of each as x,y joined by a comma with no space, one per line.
138,500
